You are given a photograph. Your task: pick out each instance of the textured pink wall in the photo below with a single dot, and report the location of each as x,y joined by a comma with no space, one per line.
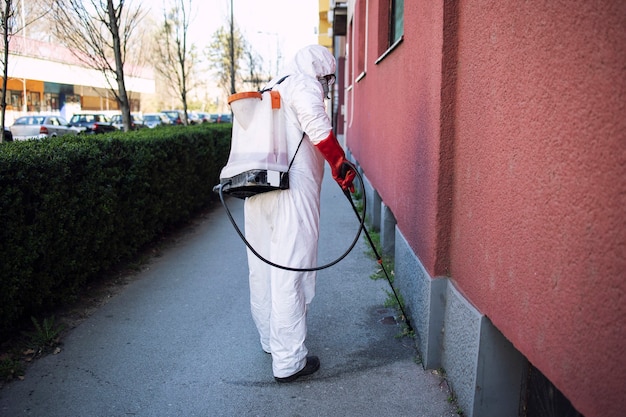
528,124
395,133
538,240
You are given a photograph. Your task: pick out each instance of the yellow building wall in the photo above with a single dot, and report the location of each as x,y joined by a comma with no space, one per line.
97,103
323,37
34,92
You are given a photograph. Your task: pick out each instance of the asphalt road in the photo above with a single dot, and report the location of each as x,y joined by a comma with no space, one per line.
179,341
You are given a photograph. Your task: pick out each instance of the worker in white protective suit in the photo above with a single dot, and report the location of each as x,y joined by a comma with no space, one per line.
283,225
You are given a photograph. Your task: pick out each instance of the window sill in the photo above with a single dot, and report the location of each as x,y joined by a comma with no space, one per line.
389,50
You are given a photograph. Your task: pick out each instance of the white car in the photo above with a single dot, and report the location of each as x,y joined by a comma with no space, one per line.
136,122
41,127
153,120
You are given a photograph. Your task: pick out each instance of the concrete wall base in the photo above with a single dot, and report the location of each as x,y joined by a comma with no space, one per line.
372,205
482,367
387,230
424,299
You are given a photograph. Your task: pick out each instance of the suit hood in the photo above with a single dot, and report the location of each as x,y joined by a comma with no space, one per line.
313,60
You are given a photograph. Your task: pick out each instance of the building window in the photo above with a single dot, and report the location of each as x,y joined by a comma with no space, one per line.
34,103
361,36
52,102
390,26
135,104
15,99
396,21
349,51
72,99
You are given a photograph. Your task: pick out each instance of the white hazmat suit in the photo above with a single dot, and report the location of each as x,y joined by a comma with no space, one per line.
283,226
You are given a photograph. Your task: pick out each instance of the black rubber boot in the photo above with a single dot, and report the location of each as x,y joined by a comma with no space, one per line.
311,366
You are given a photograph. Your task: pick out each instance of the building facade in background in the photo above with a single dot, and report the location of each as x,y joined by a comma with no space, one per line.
46,78
492,139
332,19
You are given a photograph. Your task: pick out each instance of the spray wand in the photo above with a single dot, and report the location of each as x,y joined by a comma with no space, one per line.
379,259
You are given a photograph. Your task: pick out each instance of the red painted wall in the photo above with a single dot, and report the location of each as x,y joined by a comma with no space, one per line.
393,124
540,197
507,170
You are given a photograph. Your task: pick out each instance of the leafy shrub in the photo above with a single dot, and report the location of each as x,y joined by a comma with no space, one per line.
71,207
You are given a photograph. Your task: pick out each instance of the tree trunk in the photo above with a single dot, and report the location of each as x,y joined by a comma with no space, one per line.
119,63
5,60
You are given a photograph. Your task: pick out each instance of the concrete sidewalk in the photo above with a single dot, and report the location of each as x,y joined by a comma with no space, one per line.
180,341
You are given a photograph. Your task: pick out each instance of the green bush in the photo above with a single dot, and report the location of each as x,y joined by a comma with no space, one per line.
72,207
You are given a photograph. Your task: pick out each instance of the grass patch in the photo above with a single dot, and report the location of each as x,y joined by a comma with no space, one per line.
42,339
385,271
10,368
45,336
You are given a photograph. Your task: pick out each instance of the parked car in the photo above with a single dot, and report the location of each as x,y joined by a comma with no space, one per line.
224,118
207,117
41,126
135,123
92,123
216,118
153,120
176,116
193,118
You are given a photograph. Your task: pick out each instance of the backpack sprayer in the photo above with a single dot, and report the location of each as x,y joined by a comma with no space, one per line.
258,160
258,163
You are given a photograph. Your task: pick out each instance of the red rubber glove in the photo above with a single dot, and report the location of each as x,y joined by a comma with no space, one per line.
342,170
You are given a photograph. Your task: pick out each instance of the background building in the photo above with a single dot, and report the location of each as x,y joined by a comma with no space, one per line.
492,139
46,78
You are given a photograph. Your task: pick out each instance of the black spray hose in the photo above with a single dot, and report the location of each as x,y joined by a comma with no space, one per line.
287,268
379,259
318,268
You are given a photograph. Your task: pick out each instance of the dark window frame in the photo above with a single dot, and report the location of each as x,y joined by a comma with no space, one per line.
391,27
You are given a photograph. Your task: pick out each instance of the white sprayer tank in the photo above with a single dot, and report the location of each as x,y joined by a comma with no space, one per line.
258,136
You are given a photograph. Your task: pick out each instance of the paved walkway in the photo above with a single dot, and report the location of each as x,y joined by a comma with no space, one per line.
179,341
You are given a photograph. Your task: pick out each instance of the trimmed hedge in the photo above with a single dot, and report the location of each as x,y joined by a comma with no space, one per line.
72,207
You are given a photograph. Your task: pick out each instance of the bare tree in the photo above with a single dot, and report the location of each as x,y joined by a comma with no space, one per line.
35,27
10,24
254,65
97,32
227,62
7,14
175,58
